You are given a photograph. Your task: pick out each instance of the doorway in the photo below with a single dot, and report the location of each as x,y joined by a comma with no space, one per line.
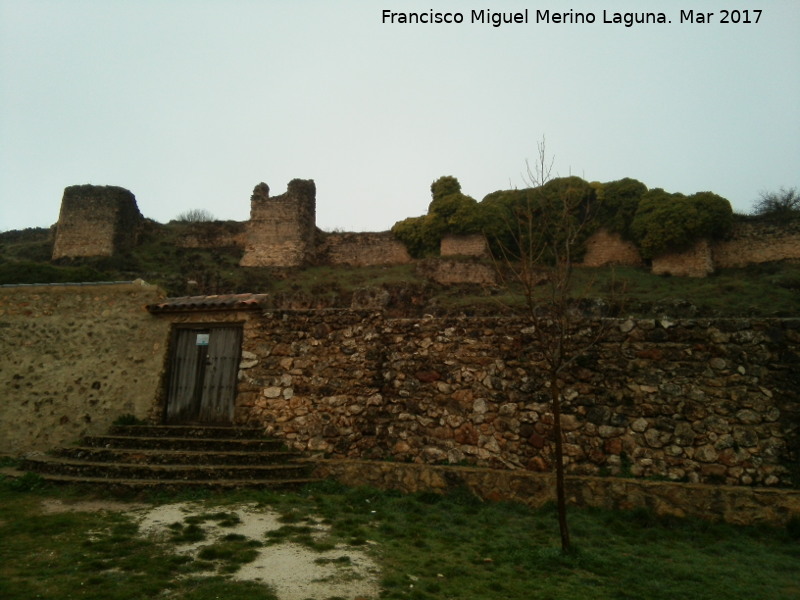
204,362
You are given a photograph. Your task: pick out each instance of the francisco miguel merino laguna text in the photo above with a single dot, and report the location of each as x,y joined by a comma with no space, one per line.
496,19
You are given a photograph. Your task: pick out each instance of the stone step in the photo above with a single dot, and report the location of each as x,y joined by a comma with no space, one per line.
175,457
124,485
107,470
185,443
138,457
188,431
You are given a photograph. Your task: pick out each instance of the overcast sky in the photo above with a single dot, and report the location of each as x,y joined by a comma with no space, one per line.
191,103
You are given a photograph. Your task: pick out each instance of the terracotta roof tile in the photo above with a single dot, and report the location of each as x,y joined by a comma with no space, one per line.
217,302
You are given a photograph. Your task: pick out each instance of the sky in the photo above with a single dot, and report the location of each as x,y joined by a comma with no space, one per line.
189,104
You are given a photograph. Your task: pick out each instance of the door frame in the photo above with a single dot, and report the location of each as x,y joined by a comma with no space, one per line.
172,366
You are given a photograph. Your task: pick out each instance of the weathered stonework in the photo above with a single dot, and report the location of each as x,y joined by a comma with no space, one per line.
463,245
282,228
697,401
731,504
447,272
697,261
96,221
212,234
758,242
73,358
281,232
606,248
362,249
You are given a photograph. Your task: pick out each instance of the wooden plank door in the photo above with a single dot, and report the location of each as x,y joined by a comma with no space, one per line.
203,368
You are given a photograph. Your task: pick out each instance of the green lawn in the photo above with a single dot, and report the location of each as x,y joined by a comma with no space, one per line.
427,546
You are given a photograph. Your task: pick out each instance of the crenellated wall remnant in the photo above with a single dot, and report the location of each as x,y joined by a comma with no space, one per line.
281,229
96,221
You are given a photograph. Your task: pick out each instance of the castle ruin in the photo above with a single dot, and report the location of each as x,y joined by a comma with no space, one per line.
281,229
282,232
96,221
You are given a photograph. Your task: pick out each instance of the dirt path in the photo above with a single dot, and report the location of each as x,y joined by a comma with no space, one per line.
294,572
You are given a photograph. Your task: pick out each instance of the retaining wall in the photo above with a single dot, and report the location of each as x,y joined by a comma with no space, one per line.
737,505
697,401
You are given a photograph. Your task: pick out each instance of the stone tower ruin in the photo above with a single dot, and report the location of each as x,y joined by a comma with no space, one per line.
96,220
281,230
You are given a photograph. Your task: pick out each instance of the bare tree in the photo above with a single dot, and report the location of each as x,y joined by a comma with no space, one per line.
783,203
547,230
195,215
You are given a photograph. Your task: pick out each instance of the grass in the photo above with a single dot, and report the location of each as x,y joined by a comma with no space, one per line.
769,289
428,547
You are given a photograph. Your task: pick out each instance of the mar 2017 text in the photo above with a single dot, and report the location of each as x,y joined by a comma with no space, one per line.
573,17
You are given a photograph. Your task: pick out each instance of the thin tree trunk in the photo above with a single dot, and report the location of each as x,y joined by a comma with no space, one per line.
561,497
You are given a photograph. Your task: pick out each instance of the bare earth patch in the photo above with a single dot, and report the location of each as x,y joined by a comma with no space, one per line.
293,571
52,506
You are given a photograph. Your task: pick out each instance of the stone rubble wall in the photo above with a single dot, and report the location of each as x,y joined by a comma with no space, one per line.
463,245
698,401
732,504
281,232
212,234
697,261
281,229
758,242
448,271
73,358
362,249
606,248
96,221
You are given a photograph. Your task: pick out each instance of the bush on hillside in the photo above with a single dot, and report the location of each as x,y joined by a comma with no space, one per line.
667,222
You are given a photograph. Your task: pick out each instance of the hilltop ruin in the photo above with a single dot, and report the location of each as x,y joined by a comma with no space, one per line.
282,232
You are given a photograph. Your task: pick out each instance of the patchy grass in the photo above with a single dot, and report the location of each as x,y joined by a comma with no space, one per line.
769,289
428,546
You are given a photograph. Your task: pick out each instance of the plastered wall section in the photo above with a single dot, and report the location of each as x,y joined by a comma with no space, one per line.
73,359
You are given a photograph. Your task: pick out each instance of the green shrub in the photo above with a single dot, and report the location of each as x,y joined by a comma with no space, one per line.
617,202
667,222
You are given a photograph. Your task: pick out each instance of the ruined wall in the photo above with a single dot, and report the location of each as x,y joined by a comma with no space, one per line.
362,249
606,248
212,234
447,271
96,221
281,232
463,245
697,261
282,228
700,401
758,241
73,358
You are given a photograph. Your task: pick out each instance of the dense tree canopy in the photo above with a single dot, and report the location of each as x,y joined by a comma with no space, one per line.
655,220
617,202
450,211
667,222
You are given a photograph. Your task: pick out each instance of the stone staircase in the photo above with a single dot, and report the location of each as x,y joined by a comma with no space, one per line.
140,457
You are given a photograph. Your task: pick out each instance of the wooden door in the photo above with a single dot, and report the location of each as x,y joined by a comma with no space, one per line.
203,367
